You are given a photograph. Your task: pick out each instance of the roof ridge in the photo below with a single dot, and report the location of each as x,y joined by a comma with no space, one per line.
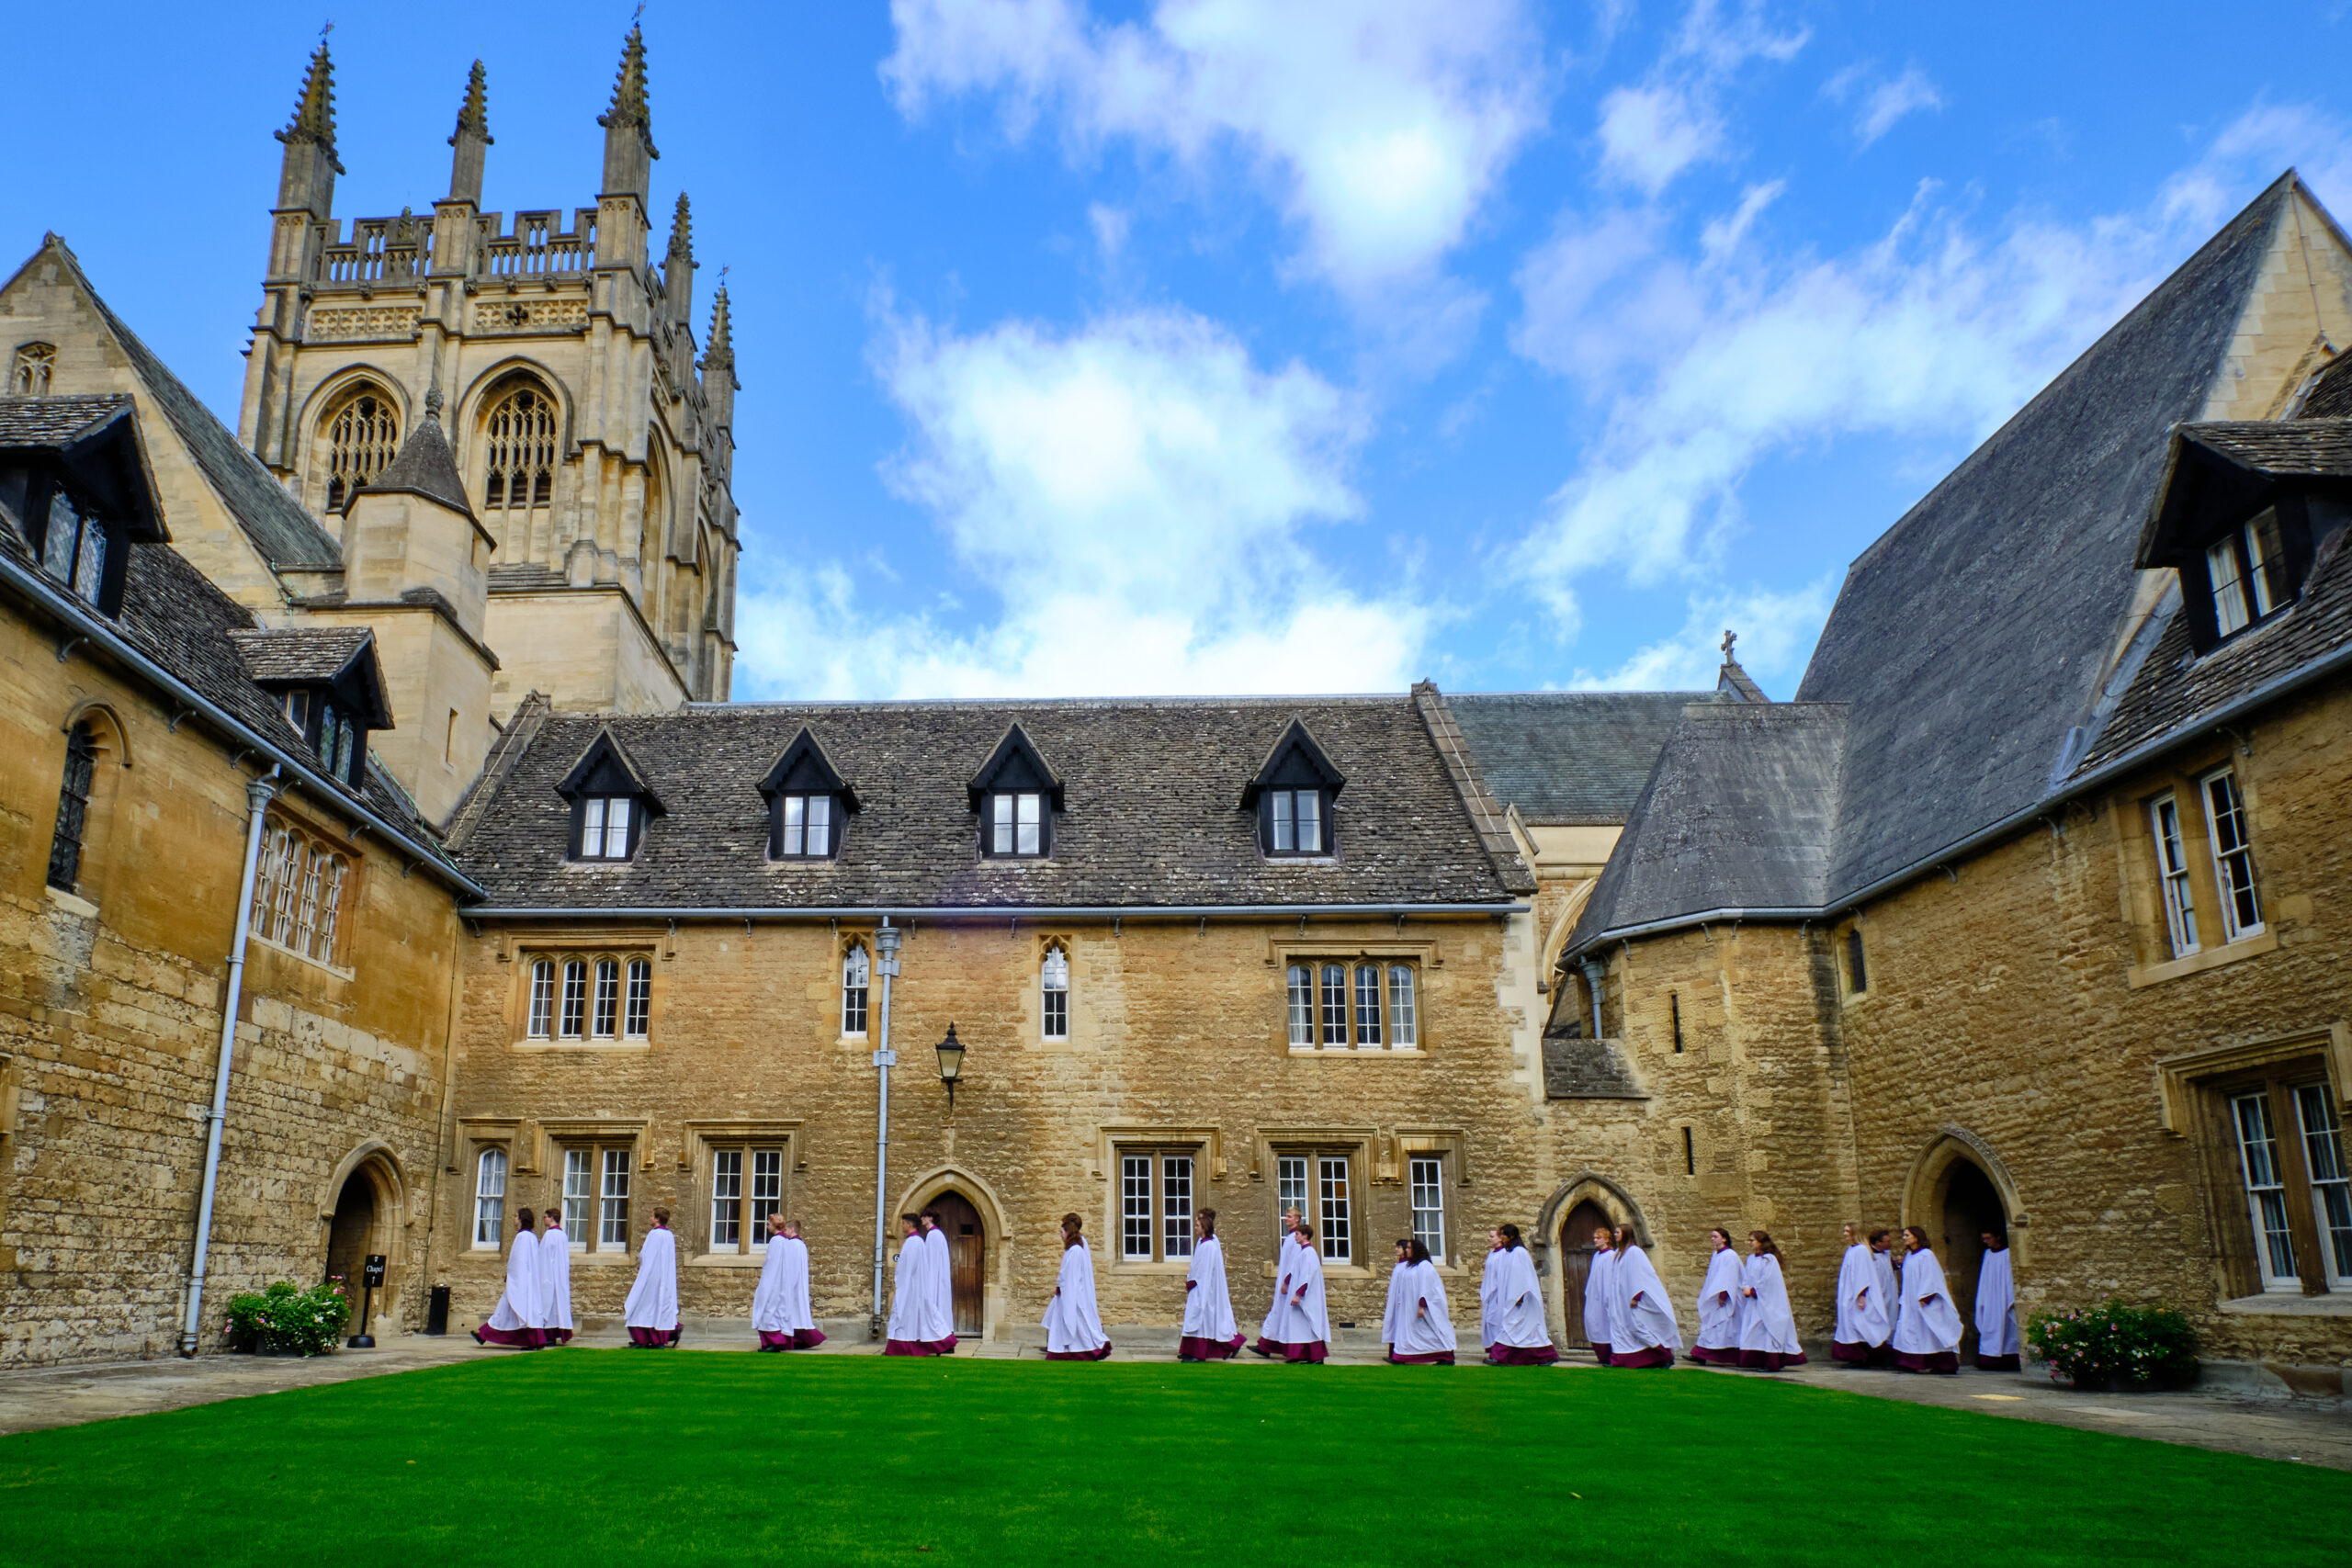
1493,827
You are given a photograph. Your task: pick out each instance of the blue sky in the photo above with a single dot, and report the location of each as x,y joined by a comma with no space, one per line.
1209,346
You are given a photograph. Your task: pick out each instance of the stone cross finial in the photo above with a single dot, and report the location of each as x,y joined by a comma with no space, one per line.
433,404
1730,636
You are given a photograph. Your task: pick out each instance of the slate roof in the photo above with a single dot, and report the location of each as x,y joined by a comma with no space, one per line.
425,468
300,653
286,535
2330,394
1970,637
1739,814
50,422
2302,448
1570,758
1150,817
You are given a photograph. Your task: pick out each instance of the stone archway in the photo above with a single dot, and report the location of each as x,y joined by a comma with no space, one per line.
1592,1198
364,1209
983,1259
1959,1189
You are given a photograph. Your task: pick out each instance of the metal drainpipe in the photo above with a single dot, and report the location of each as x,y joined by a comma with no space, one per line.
886,946
1593,975
259,792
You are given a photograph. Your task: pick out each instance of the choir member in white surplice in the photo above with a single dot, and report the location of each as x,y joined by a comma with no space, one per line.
1514,1304
1600,1289
939,1277
1073,1328
1863,1326
1889,1292
1417,1327
1642,1330
780,1306
1996,1309
555,1263
909,1294
1268,1344
522,1314
651,1311
1719,1298
1209,1332
1767,1329
1926,1334
1300,1327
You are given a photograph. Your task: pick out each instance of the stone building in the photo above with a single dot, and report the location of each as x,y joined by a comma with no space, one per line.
2026,915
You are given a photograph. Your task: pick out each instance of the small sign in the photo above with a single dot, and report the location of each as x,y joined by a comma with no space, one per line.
375,1271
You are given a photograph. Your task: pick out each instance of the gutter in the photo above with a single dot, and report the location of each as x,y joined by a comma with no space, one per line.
90,627
993,911
2098,778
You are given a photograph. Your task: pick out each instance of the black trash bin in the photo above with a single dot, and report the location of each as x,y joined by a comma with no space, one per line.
436,1315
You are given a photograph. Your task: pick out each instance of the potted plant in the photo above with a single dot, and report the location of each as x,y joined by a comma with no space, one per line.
2116,1346
285,1320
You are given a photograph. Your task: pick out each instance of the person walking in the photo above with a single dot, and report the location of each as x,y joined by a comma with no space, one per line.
780,1305
1600,1290
1642,1330
906,1333
939,1280
1514,1304
1862,1326
651,1310
1719,1298
1209,1333
520,1318
1270,1331
555,1264
1073,1328
1417,1327
1996,1308
1927,1336
1301,1322
1767,1329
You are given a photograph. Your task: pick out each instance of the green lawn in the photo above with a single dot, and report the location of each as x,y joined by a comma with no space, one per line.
623,1457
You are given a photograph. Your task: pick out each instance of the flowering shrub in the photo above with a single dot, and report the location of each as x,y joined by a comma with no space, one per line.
2116,1343
305,1323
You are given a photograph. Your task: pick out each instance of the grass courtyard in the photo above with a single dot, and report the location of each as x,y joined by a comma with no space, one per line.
585,1456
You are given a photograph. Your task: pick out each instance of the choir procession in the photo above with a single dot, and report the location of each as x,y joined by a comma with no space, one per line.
1894,1307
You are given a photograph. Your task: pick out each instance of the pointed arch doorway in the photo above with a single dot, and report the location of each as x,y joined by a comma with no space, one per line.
967,1244
1576,1253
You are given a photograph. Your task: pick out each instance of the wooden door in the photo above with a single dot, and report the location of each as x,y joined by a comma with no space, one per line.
1575,1268
967,1255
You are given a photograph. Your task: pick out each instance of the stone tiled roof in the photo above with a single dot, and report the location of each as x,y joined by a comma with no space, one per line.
1151,817
2297,447
59,420
1576,758
426,467
300,653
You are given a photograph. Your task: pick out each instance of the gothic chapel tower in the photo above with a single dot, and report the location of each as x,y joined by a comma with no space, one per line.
594,449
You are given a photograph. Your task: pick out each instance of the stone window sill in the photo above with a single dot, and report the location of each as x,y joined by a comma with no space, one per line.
336,970
1144,1266
1352,1053
71,903
728,1260
2264,941
597,1046
1330,1272
2280,1304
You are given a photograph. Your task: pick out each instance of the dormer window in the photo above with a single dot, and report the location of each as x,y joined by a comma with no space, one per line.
2247,573
606,823
331,687
73,547
809,802
339,741
1016,795
2243,513
1293,796
611,803
73,480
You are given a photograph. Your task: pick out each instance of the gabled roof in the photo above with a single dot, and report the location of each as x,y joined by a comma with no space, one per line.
95,436
1296,758
804,767
286,536
342,657
1570,758
607,768
1015,764
425,468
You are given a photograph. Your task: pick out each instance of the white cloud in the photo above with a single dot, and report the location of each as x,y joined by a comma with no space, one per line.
1135,496
1777,632
1707,359
1889,101
1653,131
1381,125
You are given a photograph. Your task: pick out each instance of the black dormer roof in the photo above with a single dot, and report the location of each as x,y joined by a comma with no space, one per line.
2222,473
96,439
1296,760
803,768
607,768
340,658
1015,764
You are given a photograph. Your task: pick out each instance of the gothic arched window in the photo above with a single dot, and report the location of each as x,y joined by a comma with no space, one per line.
518,444
363,437
28,376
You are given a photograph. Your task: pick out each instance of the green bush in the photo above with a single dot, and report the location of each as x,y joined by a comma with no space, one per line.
290,1320
2118,1344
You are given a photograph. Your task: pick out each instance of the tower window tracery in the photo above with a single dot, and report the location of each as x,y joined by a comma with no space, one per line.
363,437
519,446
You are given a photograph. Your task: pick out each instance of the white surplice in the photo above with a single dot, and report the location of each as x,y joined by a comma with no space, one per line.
1890,1298
909,1300
1600,1290
653,1300
1997,1307
1766,1325
1419,1321
769,1300
939,1282
1645,1315
555,1263
1072,1325
1861,1302
1302,1319
525,1305
1719,1301
1208,1306
1284,1250
1515,1306
1930,1324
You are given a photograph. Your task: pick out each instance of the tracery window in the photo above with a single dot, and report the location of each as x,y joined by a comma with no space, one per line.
519,446
1371,1006
299,893
589,997
1054,980
30,374
363,437
73,808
